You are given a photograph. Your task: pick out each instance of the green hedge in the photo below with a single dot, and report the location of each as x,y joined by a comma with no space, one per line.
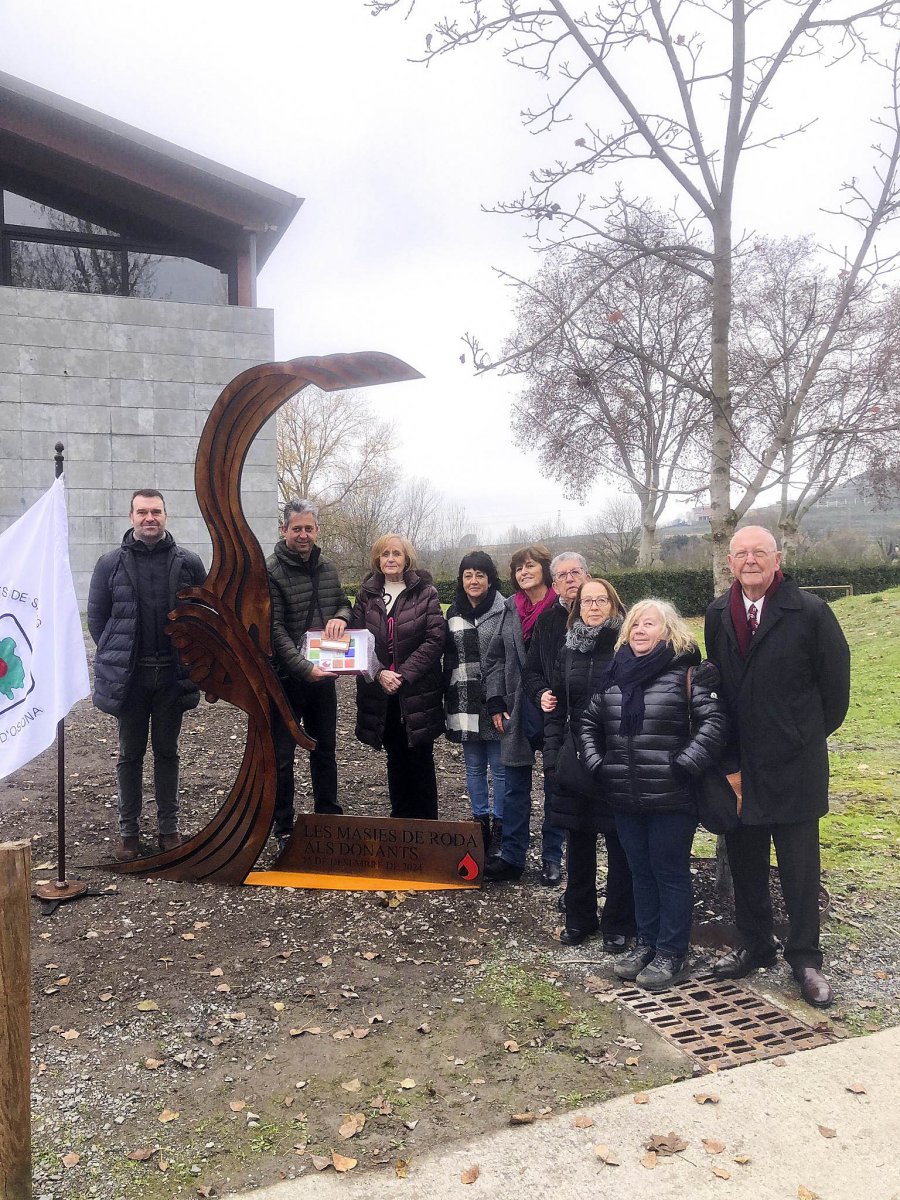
691,589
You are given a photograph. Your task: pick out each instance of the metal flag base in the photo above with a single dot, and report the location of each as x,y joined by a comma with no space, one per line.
59,891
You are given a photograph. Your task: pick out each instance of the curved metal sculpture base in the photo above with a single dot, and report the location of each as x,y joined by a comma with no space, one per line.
223,629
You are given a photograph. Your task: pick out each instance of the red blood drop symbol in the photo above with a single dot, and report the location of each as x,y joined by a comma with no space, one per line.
467,867
4,667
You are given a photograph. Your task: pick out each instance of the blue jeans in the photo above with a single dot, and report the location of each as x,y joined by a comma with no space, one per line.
517,820
478,756
658,848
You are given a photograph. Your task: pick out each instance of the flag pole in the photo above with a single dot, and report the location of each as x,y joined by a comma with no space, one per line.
61,889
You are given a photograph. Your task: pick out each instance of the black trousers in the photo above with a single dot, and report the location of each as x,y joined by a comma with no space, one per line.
315,706
581,885
412,784
797,854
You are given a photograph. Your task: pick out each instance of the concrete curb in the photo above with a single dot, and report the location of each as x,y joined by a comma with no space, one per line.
769,1113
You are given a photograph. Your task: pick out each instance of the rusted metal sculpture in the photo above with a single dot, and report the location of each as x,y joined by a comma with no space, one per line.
223,629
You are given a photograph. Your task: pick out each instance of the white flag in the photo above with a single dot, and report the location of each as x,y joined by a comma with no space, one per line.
43,665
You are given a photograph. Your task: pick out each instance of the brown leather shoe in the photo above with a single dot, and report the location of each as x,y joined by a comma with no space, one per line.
814,987
128,849
170,841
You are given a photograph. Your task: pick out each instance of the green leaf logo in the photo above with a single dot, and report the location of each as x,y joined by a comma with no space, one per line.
12,673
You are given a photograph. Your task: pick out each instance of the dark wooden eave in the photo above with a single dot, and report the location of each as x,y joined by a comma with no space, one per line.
72,158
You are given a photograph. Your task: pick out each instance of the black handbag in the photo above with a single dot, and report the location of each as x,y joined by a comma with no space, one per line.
571,773
717,801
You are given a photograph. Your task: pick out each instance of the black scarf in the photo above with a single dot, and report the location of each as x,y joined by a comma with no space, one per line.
630,671
465,608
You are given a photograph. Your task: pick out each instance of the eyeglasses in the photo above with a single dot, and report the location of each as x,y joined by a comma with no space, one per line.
576,574
595,602
743,555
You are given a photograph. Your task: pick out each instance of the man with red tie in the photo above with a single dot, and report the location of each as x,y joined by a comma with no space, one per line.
785,681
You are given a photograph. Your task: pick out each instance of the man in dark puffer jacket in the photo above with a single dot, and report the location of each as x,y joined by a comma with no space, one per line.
137,676
306,594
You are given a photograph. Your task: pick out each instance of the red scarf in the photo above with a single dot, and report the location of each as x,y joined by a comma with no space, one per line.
529,613
739,612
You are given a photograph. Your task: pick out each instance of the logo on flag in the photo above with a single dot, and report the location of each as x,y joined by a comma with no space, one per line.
16,680
43,665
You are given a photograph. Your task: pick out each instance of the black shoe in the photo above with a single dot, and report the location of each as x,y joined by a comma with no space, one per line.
630,964
551,873
662,972
814,987
741,962
498,870
615,943
574,937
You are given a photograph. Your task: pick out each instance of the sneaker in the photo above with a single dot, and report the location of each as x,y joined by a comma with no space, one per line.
662,972
630,964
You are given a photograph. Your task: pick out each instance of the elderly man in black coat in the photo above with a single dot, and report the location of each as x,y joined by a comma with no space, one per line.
785,681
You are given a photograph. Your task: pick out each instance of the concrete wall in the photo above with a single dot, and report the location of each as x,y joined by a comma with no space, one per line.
126,385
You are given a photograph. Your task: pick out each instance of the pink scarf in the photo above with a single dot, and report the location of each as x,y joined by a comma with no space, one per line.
529,613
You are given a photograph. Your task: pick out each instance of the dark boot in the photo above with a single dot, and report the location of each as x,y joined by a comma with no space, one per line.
128,849
485,823
496,837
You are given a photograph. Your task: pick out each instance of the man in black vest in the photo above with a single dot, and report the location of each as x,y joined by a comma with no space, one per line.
137,675
306,594
785,681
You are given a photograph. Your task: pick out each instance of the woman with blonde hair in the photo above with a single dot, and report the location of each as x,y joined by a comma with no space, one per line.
653,729
401,710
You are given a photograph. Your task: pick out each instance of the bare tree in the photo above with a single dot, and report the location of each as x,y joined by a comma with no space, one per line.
418,507
824,411
615,534
73,268
330,447
615,351
666,66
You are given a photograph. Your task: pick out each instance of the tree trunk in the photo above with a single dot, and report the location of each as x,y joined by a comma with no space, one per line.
789,528
723,517
648,541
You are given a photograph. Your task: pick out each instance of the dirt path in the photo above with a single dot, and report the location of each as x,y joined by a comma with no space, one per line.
277,1025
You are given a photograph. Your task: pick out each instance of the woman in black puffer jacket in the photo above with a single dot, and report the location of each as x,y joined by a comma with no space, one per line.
402,710
577,803
647,740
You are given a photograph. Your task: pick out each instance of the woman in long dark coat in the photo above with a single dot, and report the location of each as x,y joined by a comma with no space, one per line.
401,711
577,803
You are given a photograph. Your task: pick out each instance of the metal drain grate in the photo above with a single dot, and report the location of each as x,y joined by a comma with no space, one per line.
718,1022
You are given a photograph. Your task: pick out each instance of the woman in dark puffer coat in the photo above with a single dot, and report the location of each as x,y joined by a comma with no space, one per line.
648,740
402,710
577,803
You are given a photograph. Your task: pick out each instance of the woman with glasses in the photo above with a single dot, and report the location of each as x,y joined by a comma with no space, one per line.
593,625
472,620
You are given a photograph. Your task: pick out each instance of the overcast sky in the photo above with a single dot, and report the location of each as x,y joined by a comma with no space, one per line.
391,250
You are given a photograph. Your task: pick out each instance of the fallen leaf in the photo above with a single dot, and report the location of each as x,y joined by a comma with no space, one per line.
206,1190
353,1124
147,1006
511,1045
325,961
407,1083
424,1028
401,1168
351,1085
856,1088
711,1146
411,1124
742,1159
341,1035
470,1174
360,1032
310,1029
582,1122
649,1160
64,981
105,996
236,1016
187,937
163,1164
341,1163
632,1061
223,987
216,972
606,1155
370,955
778,1062
153,1064
706,1097
70,1035
641,1098
71,1159
523,1118
237,1105
826,1132
668,1143
141,1155
278,1005
473,962
167,1115
721,1173
319,1161
805,1194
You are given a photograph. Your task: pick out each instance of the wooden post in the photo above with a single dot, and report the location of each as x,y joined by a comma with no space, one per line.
15,1021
